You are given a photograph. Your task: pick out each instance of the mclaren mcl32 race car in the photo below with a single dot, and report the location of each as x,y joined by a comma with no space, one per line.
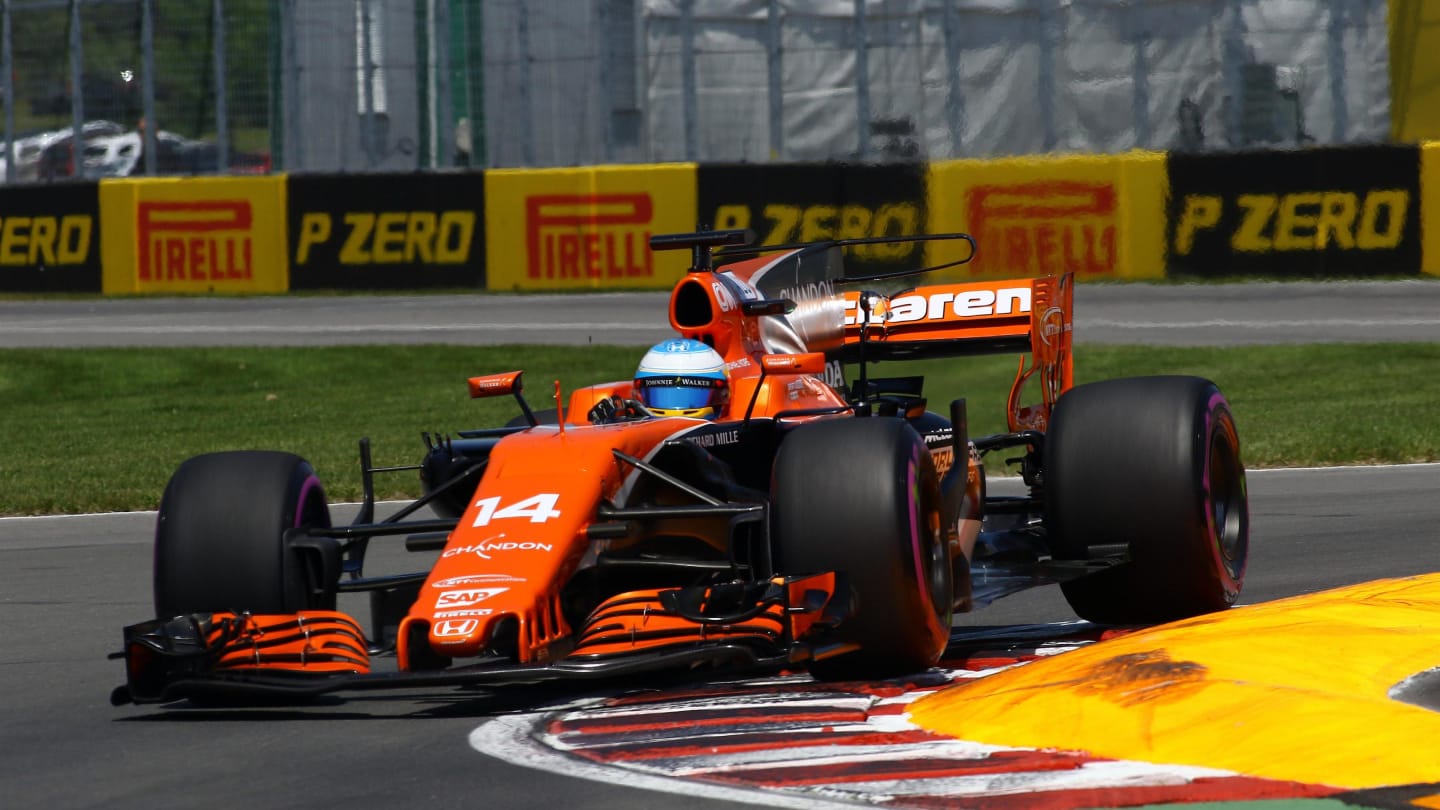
810,525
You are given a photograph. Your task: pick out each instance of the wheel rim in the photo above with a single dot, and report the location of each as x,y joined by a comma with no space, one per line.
934,568
1227,505
938,569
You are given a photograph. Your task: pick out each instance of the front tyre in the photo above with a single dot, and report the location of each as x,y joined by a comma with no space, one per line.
860,497
1152,463
219,542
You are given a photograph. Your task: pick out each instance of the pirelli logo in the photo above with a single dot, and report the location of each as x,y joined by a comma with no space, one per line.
209,240
1045,227
595,236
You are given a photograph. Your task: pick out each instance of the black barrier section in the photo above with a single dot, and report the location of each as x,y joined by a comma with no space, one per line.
809,202
50,238
386,231
1349,211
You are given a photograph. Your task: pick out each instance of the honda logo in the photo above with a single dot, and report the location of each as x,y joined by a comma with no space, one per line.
451,628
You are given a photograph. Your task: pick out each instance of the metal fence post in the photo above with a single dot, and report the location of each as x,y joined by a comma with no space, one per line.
954,92
468,79
774,74
428,123
862,82
689,101
433,80
77,94
295,158
440,58
1140,82
7,86
1232,54
222,109
522,34
1335,67
1047,89
607,81
149,139
369,134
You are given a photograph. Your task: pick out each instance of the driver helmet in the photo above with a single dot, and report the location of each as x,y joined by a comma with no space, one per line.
682,377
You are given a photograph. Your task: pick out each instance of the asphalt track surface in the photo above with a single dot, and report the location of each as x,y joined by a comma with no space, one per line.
67,585
1196,314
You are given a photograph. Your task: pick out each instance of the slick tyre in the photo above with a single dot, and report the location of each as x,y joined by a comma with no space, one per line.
219,543
860,497
1152,464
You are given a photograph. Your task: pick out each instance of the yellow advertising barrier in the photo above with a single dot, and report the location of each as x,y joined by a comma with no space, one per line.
193,235
1414,70
586,228
1098,216
1430,207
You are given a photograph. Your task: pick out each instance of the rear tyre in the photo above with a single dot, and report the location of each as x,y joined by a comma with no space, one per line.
1153,463
860,497
219,543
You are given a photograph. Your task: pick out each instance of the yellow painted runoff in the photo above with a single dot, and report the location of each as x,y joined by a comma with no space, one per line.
1297,689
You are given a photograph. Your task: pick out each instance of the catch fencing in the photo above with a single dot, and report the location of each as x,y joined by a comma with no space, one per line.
198,71
403,85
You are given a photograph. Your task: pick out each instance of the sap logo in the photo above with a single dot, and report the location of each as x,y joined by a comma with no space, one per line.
812,223
943,305
466,598
589,235
391,237
452,628
1307,220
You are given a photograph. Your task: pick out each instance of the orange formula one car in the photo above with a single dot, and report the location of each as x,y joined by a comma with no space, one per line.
751,511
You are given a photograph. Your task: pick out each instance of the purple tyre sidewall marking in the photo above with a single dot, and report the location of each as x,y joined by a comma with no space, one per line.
1231,581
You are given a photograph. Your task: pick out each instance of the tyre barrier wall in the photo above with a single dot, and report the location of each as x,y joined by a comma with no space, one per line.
50,238
385,232
1348,212
179,236
586,228
1341,212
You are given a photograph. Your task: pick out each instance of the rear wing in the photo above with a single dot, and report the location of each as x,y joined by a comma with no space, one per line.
1029,316
788,299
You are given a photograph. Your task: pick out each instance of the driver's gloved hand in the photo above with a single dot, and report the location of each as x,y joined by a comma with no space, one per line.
615,409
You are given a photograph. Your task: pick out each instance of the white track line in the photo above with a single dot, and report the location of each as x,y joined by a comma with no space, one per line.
1251,471
511,739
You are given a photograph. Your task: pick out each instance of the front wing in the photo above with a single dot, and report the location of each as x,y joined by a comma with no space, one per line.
223,657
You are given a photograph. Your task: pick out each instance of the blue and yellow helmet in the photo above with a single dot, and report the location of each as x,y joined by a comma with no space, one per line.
683,377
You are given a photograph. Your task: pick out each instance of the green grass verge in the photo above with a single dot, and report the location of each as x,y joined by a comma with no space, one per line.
102,429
